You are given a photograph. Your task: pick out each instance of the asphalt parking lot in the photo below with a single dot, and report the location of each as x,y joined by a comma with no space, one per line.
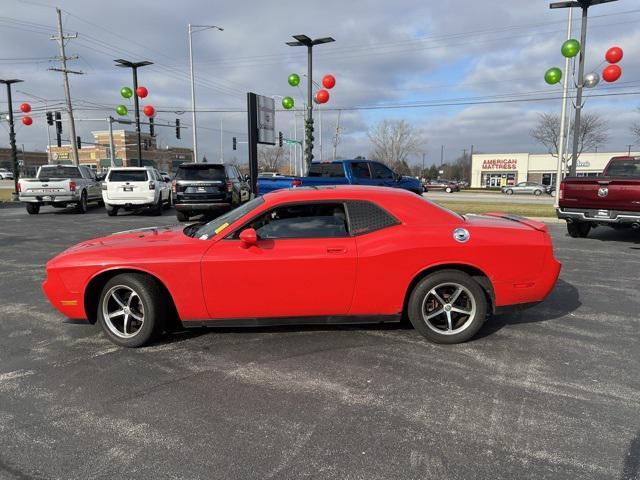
551,392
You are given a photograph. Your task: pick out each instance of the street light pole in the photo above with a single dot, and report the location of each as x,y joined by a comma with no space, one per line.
12,135
134,68
304,40
584,5
192,30
562,140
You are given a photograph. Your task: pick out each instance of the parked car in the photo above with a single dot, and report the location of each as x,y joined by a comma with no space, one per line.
205,187
448,186
309,255
612,199
6,174
132,188
527,187
343,172
59,186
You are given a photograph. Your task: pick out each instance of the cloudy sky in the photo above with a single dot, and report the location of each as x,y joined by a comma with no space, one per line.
463,72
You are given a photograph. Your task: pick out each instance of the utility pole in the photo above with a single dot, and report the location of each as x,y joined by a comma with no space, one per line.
629,151
336,138
441,155
67,93
12,136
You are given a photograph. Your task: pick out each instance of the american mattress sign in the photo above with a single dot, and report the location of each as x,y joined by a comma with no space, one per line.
500,164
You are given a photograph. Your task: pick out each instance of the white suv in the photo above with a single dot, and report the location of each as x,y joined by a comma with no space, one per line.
5,174
131,188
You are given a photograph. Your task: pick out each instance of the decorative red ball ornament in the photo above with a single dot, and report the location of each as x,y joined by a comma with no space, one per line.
611,73
142,92
27,120
322,96
328,81
25,108
149,111
614,55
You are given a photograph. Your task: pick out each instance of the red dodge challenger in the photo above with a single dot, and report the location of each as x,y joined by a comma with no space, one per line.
307,255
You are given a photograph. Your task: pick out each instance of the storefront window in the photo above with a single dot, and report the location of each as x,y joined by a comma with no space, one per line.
548,178
497,180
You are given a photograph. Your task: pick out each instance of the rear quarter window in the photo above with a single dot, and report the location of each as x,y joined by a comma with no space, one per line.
128,176
366,217
212,172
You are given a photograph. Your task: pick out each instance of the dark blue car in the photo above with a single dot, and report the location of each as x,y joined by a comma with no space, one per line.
343,172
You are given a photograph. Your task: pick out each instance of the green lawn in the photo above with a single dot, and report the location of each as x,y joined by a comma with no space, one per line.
5,194
523,209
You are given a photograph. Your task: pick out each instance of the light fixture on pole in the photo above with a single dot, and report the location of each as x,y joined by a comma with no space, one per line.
193,29
584,5
305,41
134,68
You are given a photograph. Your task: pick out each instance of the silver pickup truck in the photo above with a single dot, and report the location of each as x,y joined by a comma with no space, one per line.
59,186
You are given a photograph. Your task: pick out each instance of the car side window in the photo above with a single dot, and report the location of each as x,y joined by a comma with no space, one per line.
231,172
360,170
311,220
381,172
366,217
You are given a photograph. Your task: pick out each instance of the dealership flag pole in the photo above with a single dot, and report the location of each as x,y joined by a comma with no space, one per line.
562,143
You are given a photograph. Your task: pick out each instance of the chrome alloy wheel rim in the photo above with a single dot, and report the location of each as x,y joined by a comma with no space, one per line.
123,311
448,308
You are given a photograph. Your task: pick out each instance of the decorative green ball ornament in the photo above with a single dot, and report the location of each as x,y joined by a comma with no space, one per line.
121,110
126,92
288,103
570,48
553,75
294,79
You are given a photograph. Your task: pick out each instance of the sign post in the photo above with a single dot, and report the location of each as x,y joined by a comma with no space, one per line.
261,129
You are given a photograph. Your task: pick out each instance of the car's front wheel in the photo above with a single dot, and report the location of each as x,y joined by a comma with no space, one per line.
447,307
509,191
578,229
132,310
82,206
448,190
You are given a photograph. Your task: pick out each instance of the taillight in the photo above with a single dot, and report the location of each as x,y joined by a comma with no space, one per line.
152,185
72,186
104,186
561,196
296,183
173,186
229,185
19,187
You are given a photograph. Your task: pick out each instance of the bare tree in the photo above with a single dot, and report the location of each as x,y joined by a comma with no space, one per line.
393,142
593,132
270,159
635,129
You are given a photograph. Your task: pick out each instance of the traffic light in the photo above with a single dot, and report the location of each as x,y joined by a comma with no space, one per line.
235,143
280,139
59,129
177,128
151,129
49,118
78,142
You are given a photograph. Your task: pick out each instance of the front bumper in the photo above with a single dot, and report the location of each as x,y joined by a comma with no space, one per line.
70,304
598,216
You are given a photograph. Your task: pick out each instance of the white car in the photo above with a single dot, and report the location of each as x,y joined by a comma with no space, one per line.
131,188
5,174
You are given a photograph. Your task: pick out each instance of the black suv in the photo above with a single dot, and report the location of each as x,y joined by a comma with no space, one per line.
203,187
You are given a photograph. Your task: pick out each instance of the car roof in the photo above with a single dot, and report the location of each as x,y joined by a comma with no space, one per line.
201,165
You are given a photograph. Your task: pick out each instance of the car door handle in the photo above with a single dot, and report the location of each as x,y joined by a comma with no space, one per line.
336,250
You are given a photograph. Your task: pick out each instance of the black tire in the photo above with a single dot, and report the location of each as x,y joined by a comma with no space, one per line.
182,216
82,206
472,298
537,193
33,208
157,208
112,210
100,203
509,192
578,229
448,190
154,312
168,203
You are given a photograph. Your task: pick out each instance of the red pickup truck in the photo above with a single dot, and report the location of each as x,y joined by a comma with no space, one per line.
612,199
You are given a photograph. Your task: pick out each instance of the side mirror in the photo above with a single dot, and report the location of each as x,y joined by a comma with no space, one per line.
248,237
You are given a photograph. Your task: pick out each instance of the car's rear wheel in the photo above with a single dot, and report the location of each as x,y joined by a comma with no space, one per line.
448,190
447,307
537,193
112,210
168,203
578,229
509,192
132,310
157,208
182,216
33,208
82,206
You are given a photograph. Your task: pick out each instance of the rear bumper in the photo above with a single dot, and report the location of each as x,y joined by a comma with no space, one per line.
590,215
47,199
512,294
182,207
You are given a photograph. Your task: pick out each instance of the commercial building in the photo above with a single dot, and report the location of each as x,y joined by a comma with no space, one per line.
493,170
96,152
28,162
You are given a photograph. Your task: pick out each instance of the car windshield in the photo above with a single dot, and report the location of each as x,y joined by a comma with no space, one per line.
218,225
128,176
204,172
624,168
59,171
